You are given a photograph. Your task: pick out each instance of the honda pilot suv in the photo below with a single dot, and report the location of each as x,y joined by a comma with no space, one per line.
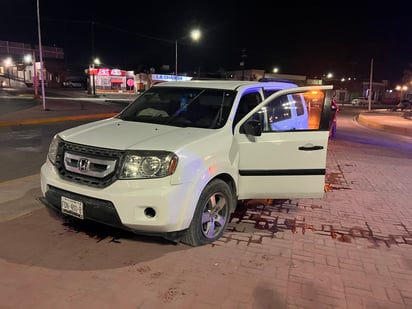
175,161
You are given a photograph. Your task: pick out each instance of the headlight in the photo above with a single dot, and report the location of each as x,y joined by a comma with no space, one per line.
148,164
54,145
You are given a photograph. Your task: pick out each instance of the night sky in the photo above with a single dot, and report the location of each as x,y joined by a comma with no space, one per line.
309,39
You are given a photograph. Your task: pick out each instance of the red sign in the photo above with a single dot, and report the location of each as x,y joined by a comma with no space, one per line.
116,72
103,72
130,82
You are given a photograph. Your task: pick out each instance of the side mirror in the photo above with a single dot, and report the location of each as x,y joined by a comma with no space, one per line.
252,127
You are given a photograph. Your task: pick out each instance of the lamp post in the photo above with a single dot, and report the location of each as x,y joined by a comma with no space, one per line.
91,89
401,89
93,80
43,95
35,80
96,61
28,59
195,35
176,58
8,62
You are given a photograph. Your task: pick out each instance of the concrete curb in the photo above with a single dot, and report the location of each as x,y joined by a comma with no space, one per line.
403,130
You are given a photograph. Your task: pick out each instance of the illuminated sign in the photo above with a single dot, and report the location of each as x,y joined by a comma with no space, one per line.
116,72
168,78
109,72
103,72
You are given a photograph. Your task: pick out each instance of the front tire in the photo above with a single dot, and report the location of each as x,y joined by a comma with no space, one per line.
211,216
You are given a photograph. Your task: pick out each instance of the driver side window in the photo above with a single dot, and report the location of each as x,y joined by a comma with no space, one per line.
246,104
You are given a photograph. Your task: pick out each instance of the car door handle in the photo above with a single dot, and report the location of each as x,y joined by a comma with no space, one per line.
308,148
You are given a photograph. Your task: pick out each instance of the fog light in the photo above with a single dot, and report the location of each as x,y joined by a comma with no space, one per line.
150,212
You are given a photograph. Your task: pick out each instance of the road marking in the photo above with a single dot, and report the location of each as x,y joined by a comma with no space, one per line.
12,181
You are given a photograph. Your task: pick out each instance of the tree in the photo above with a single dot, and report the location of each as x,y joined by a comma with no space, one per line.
407,75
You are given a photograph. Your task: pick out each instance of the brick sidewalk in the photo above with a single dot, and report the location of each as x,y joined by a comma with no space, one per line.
351,249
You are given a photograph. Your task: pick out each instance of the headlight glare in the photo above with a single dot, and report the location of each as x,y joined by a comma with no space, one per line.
148,164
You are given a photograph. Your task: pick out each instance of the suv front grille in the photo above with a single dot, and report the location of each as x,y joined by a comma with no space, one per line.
92,166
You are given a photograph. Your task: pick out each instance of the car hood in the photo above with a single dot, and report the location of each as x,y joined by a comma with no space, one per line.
114,133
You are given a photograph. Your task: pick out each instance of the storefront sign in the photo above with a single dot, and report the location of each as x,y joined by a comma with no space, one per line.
103,72
165,78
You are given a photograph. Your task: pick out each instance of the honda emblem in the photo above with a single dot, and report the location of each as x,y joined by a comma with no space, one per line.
83,165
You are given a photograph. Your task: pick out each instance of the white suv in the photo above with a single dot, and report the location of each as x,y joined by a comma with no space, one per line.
176,161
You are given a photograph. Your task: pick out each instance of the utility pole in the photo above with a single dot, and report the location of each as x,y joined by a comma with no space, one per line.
41,58
176,59
92,37
370,88
35,83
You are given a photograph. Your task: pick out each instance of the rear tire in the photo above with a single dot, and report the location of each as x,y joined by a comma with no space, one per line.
211,216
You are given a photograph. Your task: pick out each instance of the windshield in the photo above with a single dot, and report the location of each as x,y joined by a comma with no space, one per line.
180,106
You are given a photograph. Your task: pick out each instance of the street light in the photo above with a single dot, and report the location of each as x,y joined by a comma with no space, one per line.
96,61
28,59
43,94
8,62
195,35
92,76
401,89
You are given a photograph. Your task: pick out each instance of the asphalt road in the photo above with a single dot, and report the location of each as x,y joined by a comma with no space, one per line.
348,129
24,148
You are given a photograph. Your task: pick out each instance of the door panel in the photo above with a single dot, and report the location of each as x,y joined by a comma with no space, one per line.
289,163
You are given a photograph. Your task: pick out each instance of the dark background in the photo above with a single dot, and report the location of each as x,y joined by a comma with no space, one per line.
308,38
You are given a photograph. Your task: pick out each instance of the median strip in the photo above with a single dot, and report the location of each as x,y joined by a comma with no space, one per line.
55,119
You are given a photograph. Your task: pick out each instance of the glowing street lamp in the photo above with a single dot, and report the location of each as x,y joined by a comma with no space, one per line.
96,62
401,89
7,63
28,59
195,35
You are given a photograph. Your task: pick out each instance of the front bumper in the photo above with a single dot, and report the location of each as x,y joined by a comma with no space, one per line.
125,203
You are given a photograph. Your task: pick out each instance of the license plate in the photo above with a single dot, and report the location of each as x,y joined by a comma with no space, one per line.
72,207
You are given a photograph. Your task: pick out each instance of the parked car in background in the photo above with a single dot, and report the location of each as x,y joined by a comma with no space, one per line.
361,101
74,81
404,104
73,84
